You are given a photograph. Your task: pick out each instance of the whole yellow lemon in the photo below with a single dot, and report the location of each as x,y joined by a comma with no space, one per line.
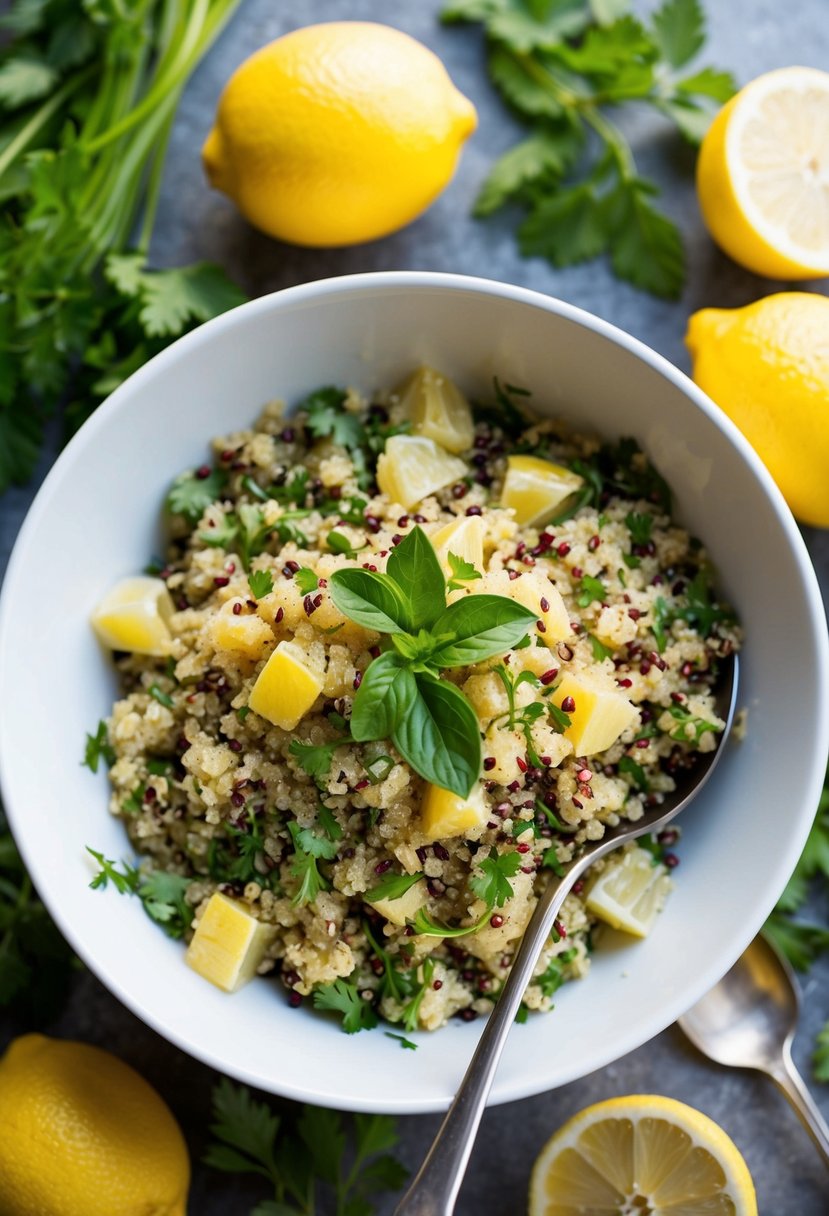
82,1134
337,133
767,366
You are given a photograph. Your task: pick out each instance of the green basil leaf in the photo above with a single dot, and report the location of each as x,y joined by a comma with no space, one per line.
371,600
481,627
439,736
386,693
414,567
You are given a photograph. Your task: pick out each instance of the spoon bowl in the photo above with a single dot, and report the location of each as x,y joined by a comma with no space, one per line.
748,1020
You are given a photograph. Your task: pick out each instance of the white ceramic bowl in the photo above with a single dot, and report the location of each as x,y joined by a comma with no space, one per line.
97,519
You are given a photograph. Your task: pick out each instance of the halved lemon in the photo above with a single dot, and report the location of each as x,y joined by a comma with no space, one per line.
630,892
763,175
641,1154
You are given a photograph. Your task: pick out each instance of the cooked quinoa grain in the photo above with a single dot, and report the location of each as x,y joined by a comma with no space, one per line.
296,820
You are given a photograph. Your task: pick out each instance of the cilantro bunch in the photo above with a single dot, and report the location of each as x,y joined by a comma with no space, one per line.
88,93
36,964
319,1153
561,65
803,942
402,696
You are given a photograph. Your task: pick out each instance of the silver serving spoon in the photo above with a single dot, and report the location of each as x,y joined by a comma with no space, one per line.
748,1020
435,1188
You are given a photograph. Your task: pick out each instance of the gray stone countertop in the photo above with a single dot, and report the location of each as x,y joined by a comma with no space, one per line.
750,37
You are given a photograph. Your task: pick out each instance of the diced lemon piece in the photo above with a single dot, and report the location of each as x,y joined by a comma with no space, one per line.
242,631
599,717
286,687
443,813
413,467
229,943
465,538
135,616
535,488
438,409
538,594
398,911
641,1153
630,892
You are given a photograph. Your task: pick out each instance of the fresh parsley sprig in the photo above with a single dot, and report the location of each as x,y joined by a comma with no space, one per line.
307,1153
162,894
402,697
561,65
492,885
87,97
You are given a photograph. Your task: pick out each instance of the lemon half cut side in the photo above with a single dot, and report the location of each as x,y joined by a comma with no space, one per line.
763,175
641,1154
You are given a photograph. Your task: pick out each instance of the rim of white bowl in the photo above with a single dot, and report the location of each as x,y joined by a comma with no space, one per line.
788,851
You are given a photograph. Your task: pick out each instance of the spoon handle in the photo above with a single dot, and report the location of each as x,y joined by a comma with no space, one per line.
436,1186
790,1083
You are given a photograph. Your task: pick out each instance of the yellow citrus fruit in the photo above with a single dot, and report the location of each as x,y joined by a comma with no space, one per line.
337,133
767,366
82,1134
641,1153
763,175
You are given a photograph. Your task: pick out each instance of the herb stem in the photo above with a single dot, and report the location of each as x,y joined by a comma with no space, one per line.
616,143
38,120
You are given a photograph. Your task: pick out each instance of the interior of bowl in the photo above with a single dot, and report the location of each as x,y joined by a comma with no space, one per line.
97,519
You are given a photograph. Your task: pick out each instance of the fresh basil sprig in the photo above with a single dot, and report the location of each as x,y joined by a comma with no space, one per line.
402,696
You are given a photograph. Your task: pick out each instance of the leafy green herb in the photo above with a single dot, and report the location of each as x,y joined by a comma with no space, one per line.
190,495
338,543
306,580
661,619
246,528
36,964
236,858
402,1040
98,747
396,984
88,93
401,696
552,977
392,887
313,1158
260,583
690,728
591,590
135,801
379,768
628,765
702,611
315,758
344,998
493,885
462,572
560,65
801,942
162,894
640,527
820,1057
159,767
600,651
525,717
550,861
364,440
295,490
162,697
308,849
411,1010
559,719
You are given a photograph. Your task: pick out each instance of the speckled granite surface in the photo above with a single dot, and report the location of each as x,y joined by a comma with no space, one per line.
750,36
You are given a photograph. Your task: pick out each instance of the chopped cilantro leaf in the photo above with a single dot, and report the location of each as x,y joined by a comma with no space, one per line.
344,998
411,1009
315,758
628,765
306,580
640,527
307,848
190,495
462,572
392,887
98,747
402,1040
260,583
600,651
493,885
328,417
125,881
591,590
162,697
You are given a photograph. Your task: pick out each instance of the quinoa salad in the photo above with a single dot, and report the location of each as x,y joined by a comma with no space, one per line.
402,657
